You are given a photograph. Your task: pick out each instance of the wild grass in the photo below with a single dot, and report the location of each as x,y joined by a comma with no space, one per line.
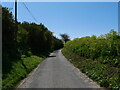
20,70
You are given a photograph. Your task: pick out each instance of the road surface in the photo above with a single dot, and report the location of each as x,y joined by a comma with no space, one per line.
57,72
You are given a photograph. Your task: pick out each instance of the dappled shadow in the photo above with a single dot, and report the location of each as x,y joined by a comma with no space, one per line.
51,56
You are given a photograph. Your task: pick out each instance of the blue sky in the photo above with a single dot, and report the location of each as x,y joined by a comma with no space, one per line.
76,19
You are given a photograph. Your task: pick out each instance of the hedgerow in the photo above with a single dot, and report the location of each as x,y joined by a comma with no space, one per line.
97,57
104,48
23,40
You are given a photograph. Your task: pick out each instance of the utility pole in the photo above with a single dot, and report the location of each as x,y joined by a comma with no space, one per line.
16,11
16,29
119,18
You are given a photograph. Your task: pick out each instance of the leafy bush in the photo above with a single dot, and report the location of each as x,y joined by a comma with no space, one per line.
98,57
104,74
105,48
22,40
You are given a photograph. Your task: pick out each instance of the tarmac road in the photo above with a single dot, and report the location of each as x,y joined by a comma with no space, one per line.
57,72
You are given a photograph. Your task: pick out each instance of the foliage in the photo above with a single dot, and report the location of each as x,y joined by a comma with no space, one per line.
65,37
22,40
105,48
18,71
9,43
104,74
98,57
40,39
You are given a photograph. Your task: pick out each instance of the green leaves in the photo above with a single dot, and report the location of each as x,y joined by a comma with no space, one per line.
65,37
22,40
103,48
98,57
18,72
104,74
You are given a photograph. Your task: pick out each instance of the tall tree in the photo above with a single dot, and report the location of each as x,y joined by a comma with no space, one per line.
9,31
9,43
65,37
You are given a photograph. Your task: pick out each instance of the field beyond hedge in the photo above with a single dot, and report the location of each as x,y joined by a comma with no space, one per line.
97,57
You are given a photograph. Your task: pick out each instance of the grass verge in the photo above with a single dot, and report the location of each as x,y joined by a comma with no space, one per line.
19,71
103,74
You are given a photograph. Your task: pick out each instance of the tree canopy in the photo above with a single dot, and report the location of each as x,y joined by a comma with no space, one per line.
65,37
25,39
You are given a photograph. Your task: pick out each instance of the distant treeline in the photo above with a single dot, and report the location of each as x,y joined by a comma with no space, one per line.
25,38
104,48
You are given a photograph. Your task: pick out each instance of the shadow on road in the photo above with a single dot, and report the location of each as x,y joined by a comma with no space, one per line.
52,56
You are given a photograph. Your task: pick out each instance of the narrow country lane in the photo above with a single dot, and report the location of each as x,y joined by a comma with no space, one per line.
57,72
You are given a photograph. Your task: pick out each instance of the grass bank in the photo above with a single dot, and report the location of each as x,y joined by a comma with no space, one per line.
104,74
19,71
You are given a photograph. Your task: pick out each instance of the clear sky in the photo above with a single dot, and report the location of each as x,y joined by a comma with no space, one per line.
77,19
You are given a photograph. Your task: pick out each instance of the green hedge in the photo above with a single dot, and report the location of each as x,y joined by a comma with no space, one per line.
19,70
104,74
98,57
105,48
